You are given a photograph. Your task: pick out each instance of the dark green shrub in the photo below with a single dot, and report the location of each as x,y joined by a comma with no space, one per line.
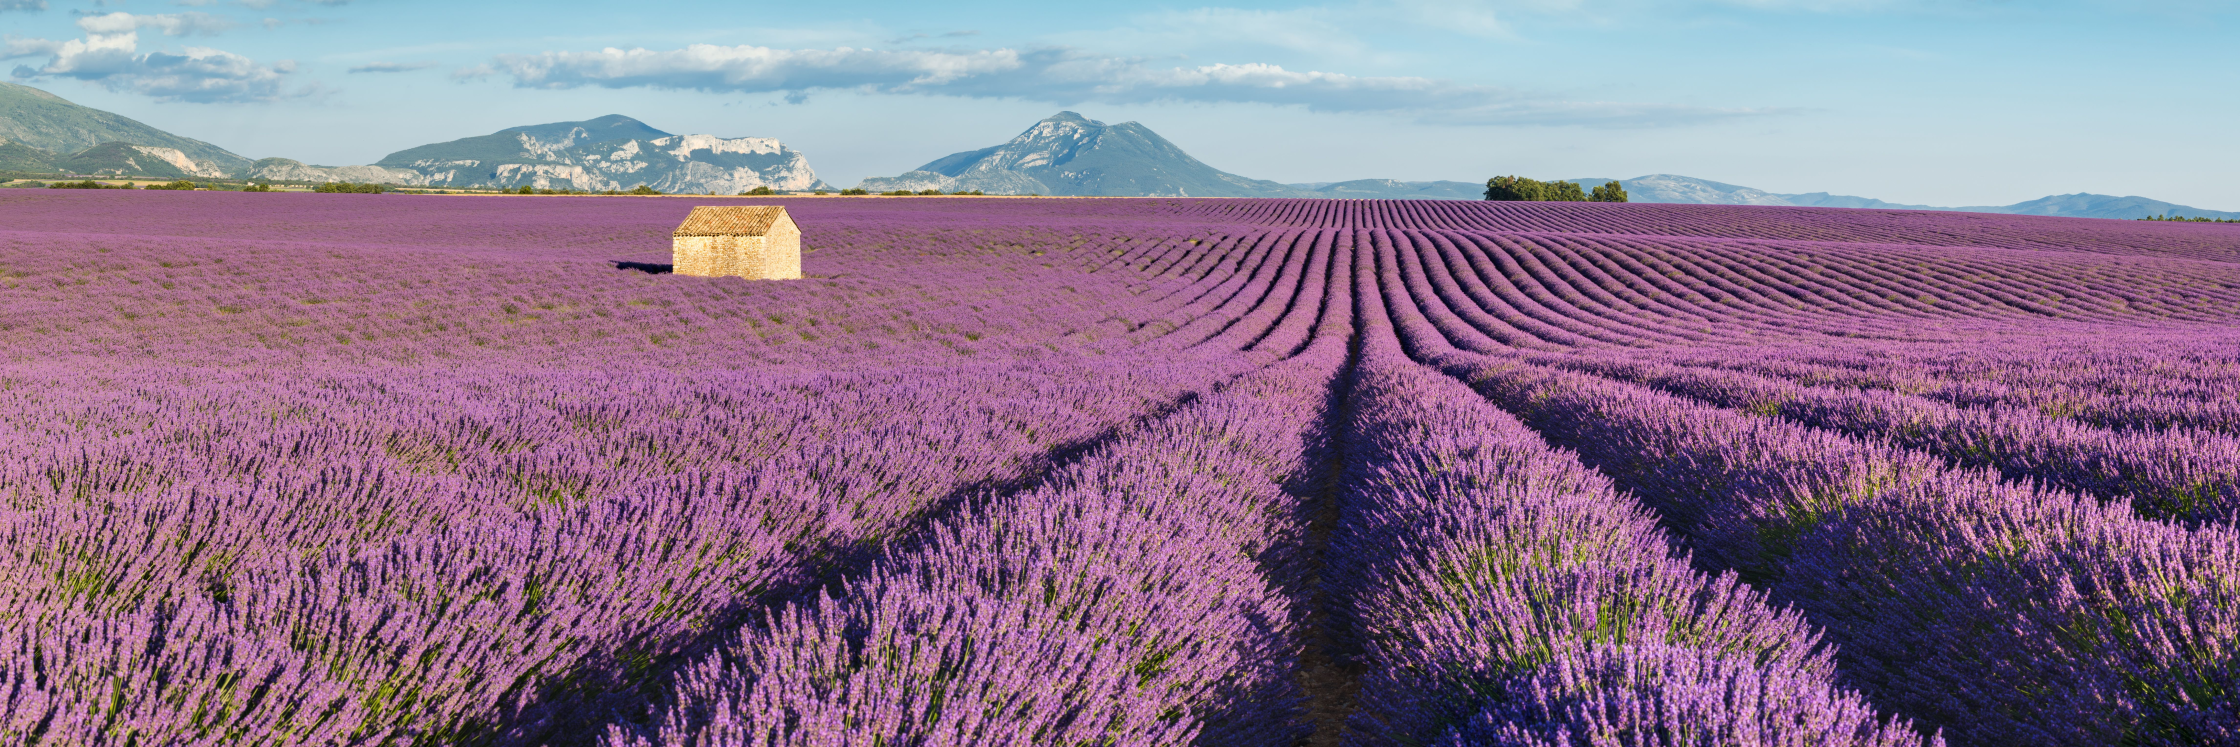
1520,189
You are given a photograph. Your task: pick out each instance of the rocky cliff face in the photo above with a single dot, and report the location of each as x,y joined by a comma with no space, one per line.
612,152
1069,154
127,159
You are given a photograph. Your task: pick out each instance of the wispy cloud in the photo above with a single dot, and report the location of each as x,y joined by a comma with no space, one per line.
1067,76
8,5
110,55
392,67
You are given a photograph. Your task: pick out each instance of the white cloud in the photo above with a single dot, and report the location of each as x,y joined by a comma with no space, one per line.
171,24
8,5
748,68
109,54
1065,76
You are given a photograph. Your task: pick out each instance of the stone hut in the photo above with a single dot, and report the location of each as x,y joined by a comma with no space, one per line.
757,242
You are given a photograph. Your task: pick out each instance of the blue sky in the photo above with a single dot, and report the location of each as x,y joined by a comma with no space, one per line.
1958,102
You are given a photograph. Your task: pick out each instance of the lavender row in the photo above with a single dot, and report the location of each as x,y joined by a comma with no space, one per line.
1735,222
1567,290
1999,614
2120,379
2183,476
1138,597
1502,593
424,599
2175,475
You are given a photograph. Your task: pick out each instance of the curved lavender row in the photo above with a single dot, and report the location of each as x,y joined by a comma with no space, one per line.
2125,379
2221,243
2181,476
1999,614
1669,695
1491,582
1121,603
1746,292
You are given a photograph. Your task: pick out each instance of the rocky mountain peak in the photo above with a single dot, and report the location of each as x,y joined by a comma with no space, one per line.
613,152
1069,154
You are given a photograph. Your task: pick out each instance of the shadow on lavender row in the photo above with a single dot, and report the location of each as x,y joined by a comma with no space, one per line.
649,268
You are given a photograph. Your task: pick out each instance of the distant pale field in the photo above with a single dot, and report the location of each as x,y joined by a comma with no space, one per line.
397,469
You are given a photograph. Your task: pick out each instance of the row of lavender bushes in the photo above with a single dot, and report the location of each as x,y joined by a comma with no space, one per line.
1142,595
2004,614
1496,591
2183,475
2119,379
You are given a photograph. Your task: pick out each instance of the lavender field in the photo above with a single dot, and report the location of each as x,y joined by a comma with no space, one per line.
297,469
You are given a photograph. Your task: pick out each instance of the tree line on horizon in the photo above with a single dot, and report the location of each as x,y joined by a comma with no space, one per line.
1521,189
2184,219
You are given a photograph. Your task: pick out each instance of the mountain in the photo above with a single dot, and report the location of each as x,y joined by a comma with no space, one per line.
127,159
1669,188
15,156
2103,206
1387,189
42,120
1069,154
1823,199
611,152
1687,190
514,145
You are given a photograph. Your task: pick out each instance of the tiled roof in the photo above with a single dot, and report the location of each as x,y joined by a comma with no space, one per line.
730,220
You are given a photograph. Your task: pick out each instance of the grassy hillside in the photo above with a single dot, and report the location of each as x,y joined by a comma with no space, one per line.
48,122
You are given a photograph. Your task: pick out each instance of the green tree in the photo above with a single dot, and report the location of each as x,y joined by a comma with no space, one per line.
762,191
1512,189
1610,191
644,190
855,191
1520,189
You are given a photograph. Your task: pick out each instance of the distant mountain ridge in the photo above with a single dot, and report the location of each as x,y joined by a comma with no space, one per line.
1669,188
1066,154
1071,155
38,120
608,153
